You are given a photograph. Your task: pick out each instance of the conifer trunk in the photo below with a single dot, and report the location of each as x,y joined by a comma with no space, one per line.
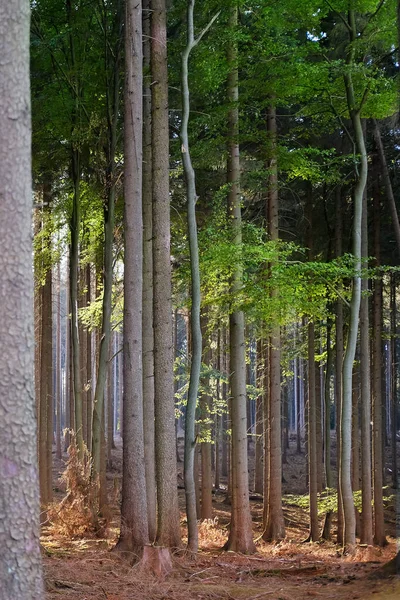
20,563
134,533
240,534
168,530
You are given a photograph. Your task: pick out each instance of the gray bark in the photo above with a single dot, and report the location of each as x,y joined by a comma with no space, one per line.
134,526
240,534
168,529
20,569
147,331
345,466
365,390
275,525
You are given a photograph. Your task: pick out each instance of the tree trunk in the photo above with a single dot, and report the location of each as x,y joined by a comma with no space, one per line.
345,462
113,98
327,395
58,378
134,525
312,436
388,185
377,427
240,534
147,319
196,333
205,433
259,446
339,361
275,524
168,529
20,570
394,378
365,390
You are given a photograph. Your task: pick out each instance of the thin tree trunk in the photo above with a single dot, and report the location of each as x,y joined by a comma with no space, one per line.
113,99
327,395
196,333
259,446
365,390
275,524
147,318
388,185
377,427
339,361
394,378
240,534
345,463
58,378
312,436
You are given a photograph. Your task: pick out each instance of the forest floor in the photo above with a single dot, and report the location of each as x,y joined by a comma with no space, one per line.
85,569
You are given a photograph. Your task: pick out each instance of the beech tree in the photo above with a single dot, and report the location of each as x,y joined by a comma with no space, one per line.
20,563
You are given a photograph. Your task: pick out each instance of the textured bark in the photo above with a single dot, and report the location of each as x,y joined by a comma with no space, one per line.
259,446
134,526
113,98
58,379
168,530
339,358
327,396
377,426
20,570
388,185
365,390
312,437
205,434
147,325
394,379
240,534
275,525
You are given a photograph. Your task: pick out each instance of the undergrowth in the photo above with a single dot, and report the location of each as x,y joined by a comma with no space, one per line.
78,514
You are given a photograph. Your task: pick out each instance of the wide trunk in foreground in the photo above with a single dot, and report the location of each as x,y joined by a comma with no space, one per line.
20,569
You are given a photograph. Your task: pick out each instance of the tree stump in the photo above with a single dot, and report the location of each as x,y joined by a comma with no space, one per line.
157,560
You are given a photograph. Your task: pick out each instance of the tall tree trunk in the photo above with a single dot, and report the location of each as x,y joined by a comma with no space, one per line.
365,390
240,534
345,462
312,436
339,359
327,396
259,446
20,570
168,530
275,524
394,378
388,185
134,525
377,426
147,319
75,224
196,333
113,98
58,376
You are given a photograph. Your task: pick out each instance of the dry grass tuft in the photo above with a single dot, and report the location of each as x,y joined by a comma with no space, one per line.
78,514
211,534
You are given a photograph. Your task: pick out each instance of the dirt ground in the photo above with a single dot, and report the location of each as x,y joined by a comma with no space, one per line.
85,569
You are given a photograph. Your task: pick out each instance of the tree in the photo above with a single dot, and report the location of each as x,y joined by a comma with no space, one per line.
190,435
168,532
240,534
134,525
20,568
